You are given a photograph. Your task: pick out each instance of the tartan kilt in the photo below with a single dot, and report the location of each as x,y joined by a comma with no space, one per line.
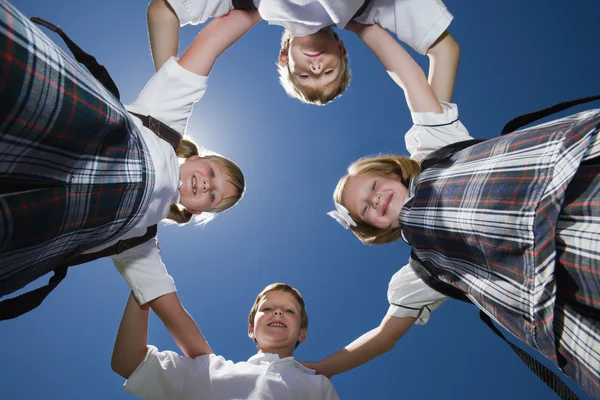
514,222
74,169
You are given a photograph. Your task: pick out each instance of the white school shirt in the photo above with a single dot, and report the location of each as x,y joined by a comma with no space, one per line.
166,375
418,23
169,96
407,294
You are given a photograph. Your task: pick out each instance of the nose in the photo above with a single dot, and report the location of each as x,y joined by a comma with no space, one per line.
277,311
206,185
316,68
374,200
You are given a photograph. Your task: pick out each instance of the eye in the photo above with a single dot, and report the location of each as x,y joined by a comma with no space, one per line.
212,197
374,186
267,309
365,209
212,173
303,76
289,310
329,72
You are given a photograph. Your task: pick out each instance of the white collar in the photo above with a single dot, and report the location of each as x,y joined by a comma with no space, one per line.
272,358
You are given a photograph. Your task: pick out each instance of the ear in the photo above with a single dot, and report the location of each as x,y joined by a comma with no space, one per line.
342,48
302,335
192,158
251,332
283,57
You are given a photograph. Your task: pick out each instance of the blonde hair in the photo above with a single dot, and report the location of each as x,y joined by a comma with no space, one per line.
385,165
284,287
312,95
186,149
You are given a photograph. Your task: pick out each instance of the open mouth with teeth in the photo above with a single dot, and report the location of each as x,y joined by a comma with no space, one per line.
194,184
277,325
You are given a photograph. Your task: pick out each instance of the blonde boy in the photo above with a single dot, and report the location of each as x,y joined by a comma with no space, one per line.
313,62
277,323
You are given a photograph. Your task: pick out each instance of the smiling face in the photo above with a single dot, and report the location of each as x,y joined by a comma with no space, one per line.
375,199
315,61
205,185
277,323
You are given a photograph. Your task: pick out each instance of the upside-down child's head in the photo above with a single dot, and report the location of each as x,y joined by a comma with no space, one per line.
278,321
373,192
211,184
313,68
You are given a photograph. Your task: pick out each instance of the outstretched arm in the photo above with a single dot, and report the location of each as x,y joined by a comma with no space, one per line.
163,31
132,339
180,325
400,66
443,63
218,35
370,345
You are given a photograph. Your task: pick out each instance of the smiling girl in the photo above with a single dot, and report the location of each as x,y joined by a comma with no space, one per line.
511,224
80,173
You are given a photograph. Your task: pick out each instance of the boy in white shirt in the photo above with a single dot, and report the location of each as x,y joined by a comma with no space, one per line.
313,62
277,323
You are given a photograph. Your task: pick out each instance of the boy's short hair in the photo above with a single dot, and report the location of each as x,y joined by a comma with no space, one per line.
311,95
284,287
384,165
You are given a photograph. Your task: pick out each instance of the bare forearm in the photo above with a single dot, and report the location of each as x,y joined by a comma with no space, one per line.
181,325
401,67
132,339
443,64
216,37
163,31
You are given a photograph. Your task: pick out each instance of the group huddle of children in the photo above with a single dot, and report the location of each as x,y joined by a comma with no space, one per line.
512,222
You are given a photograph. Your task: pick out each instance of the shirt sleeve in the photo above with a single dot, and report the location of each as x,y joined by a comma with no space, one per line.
198,11
418,23
433,131
166,375
329,392
409,296
144,271
170,94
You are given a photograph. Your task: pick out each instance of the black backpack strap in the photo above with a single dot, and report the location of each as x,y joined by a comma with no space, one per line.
444,153
98,71
245,5
161,129
528,118
545,374
19,305
362,9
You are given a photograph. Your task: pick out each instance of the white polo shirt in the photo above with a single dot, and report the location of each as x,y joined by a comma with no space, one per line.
166,375
418,23
408,295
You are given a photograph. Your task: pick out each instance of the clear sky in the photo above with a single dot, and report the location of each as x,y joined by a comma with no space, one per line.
517,56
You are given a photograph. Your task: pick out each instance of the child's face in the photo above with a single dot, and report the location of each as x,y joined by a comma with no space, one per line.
205,185
376,200
277,322
315,61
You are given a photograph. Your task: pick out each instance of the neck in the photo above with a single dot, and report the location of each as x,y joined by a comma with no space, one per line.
281,352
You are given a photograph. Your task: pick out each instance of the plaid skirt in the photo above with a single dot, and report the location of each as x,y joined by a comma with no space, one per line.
74,169
514,222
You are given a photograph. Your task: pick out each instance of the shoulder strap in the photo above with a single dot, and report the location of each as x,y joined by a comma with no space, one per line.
528,118
245,5
444,153
98,71
546,375
362,9
17,306
161,129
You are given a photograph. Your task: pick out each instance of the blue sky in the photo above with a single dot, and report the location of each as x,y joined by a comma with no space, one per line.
516,57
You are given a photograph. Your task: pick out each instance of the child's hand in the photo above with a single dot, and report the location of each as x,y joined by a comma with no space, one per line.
355,27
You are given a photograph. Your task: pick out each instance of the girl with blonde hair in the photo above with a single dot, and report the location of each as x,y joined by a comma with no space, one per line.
510,224
82,176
